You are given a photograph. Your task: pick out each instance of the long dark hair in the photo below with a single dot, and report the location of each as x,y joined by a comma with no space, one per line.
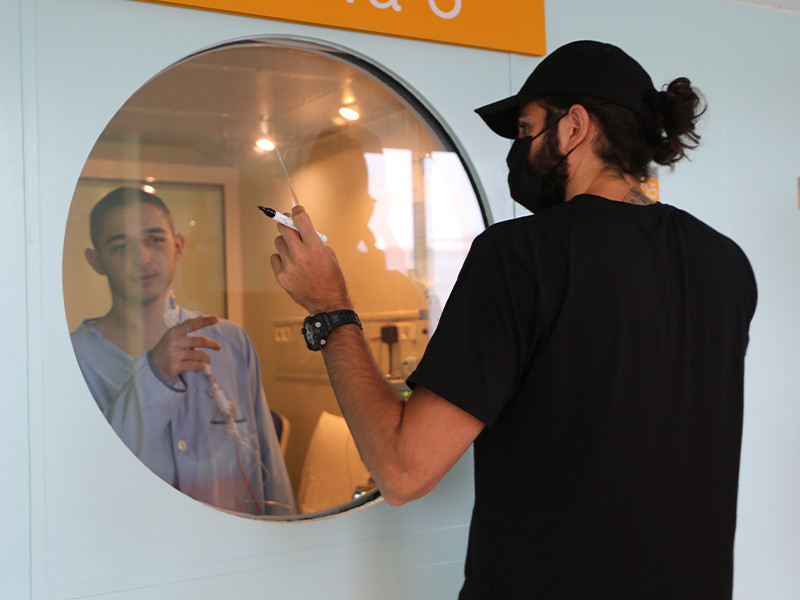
631,141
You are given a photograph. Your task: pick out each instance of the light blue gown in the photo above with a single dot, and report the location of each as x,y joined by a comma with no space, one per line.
176,429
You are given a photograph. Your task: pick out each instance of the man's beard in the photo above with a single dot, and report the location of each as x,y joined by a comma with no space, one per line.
550,166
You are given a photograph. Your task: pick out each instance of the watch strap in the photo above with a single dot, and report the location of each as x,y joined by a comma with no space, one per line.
335,318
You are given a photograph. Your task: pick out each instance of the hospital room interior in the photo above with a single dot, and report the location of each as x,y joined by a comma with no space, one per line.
217,112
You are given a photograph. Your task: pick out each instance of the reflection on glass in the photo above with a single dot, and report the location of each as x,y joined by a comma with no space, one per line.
389,192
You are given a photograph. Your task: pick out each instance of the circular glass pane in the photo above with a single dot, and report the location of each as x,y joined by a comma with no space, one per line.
256,123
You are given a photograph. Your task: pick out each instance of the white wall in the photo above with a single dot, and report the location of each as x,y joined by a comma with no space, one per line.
15,500
84,518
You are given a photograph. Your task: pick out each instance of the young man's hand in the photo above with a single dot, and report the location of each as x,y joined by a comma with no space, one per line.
307,269
177,351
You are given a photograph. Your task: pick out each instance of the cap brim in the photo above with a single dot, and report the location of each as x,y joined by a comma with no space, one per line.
502,116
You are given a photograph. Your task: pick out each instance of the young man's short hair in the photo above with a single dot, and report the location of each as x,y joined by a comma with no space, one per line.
120,197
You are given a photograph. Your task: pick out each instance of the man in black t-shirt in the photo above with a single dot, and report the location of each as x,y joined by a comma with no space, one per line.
593,352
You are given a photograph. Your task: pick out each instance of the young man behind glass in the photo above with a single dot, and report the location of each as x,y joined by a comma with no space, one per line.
155,380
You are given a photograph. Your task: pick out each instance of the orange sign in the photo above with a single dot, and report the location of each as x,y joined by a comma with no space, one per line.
509,26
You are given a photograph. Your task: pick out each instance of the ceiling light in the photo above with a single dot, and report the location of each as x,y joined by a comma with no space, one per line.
265,144
349,113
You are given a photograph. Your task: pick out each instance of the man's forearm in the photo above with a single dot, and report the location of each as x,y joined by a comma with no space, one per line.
408,446
372,409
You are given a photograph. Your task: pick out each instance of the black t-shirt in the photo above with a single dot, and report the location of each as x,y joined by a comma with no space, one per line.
602,343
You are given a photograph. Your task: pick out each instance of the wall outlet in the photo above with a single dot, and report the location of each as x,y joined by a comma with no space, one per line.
283,334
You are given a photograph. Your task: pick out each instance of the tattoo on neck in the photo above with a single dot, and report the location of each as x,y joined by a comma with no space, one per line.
636,196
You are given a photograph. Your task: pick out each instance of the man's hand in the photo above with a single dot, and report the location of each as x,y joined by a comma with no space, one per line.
176,351
307,269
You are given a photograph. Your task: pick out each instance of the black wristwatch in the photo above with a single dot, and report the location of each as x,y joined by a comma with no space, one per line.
317,327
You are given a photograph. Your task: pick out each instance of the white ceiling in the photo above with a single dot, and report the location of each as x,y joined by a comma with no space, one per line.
210,108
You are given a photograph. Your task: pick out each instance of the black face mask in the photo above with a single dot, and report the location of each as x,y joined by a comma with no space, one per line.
534,192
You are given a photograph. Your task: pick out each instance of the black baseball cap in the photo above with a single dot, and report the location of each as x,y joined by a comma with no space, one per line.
583,68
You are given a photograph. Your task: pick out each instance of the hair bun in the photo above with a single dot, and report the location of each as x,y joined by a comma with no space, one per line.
677,110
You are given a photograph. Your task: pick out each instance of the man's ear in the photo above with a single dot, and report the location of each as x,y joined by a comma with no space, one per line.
180,242
578,124
91,256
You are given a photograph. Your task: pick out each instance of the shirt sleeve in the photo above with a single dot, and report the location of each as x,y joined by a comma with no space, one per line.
484,339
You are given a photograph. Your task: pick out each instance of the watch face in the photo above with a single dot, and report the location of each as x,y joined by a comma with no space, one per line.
312,332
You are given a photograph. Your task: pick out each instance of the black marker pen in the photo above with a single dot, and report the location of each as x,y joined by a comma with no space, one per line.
284,220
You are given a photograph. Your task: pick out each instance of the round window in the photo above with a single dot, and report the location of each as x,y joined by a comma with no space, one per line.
188,346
